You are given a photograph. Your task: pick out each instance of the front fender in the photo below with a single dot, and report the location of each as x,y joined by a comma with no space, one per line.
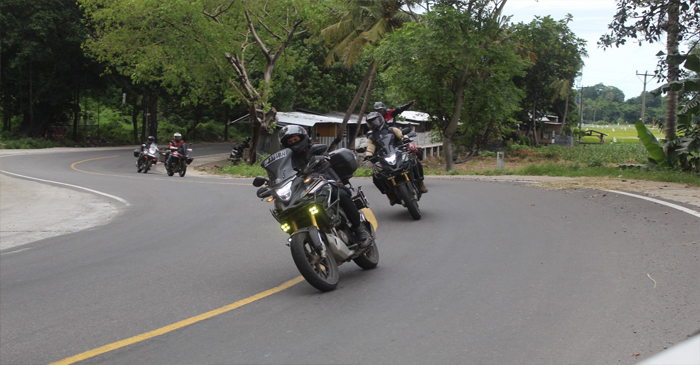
314,235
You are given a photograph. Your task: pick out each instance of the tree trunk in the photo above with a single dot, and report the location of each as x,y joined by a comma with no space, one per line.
672,49
348,113
144,124
135,119
153,117
76,114
363,109
449,132
226,122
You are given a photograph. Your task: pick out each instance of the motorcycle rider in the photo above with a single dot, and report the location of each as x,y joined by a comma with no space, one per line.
295,138
151,141
389,116
178,142
146,146
377,123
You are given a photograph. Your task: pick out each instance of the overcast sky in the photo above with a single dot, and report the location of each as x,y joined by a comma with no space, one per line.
612,67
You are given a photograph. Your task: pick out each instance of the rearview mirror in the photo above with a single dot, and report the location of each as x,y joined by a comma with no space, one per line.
361,150
406,130
259,181
264,192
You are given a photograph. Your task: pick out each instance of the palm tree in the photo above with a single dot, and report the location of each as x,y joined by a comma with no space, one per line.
363,24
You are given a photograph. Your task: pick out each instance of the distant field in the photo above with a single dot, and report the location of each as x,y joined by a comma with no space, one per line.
619,134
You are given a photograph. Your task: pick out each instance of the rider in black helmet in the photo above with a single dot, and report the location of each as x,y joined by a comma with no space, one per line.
295,138
377,123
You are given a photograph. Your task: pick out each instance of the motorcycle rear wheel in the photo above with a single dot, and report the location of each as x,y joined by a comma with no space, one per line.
411,204
321,273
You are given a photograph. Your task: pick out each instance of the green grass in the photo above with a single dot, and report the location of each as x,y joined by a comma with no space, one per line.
623,134
243,170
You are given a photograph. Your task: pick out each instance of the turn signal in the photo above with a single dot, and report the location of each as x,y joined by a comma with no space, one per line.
285,227
269,199
313,210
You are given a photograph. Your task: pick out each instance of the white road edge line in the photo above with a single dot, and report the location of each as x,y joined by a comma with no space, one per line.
72,186
675,206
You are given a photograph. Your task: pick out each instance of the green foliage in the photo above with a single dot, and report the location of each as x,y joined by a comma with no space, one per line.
686,145
657,155
555,55
243,170
459,66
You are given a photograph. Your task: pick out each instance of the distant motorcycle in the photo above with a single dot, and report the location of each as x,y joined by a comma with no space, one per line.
176,162
393,163
237,151
307,206
146,157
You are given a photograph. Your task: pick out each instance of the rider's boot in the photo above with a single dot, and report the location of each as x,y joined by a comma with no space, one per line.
362,236
421,186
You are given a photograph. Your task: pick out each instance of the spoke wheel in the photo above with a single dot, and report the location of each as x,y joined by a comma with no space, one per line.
321,273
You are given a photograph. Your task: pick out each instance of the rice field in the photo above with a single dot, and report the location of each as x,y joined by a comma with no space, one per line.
624,133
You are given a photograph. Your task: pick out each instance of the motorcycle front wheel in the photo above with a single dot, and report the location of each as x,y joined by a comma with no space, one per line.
183,169
321,273
148,166
169,169
139,165
408,200
370,258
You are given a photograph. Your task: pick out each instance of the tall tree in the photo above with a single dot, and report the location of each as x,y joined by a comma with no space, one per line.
362,24
556,54
181,43
460,64
646,21
43,68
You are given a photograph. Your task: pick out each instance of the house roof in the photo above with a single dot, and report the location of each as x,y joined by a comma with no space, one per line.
415,116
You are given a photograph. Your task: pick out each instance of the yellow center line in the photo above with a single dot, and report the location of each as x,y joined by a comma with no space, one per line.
72,166
175,326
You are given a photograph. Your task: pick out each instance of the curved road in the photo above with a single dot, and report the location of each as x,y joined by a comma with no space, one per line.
494,273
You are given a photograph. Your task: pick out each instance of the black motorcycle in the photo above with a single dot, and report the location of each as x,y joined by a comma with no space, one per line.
307,206
394,165
176,162
237,151
145,157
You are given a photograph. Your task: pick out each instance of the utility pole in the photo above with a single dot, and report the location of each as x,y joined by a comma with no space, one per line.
644,103
580,109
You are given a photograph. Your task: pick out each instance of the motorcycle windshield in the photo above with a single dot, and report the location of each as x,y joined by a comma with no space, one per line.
385,142
279,166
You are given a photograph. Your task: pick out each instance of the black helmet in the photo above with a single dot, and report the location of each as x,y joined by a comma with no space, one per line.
151,139
375,121
380,107
290,131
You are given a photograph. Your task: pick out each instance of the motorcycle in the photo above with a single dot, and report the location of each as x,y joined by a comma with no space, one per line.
177,162
393,164
237,151
146,157
308,208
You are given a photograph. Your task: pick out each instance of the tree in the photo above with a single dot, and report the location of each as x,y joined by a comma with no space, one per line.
183,44
362,24
460,64
556,54
646,21
43,68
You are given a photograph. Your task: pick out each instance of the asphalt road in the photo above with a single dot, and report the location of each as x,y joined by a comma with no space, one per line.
494,273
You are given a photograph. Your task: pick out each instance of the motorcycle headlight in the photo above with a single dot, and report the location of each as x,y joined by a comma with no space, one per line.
285,192
390,159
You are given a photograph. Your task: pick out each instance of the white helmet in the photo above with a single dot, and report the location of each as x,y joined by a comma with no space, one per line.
177,136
